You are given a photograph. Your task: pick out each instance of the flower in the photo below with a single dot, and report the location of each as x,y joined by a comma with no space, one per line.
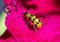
22,33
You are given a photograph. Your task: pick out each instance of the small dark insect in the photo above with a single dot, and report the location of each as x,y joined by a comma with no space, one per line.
35,21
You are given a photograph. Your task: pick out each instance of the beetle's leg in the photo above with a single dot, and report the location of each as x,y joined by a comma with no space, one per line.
34,28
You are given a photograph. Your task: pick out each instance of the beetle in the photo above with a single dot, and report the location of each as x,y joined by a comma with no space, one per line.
34,20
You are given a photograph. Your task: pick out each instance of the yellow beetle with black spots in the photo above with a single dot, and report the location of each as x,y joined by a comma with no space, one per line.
36,21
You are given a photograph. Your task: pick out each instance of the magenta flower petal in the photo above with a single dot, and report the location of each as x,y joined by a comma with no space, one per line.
21,32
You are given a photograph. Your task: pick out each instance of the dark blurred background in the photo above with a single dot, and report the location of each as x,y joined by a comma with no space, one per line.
1,6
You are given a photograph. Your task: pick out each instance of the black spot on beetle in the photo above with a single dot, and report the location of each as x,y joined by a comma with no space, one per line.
31,15
33,19
30,18
37,22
